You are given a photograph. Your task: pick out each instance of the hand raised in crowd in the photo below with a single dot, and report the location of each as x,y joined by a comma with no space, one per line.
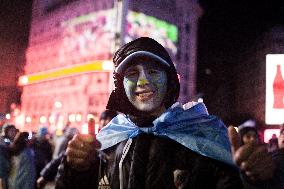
253,159
81,151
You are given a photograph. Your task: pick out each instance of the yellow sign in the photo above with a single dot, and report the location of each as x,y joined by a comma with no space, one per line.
93,66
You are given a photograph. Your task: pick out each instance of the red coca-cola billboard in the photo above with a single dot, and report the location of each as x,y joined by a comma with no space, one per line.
274,111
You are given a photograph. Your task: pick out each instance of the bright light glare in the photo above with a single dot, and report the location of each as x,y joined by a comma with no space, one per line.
42,119
28,119
8,116
78,117
58,104
23,80
269,132
20,120
51,119
107,65
72,118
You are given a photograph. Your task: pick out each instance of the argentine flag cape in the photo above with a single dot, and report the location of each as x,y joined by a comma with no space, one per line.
190,125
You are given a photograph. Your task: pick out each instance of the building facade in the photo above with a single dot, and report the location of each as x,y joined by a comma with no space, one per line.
68,72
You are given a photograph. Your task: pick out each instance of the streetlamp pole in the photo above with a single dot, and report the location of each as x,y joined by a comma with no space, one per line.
121,8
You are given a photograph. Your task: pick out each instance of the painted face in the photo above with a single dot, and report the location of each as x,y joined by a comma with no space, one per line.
146,86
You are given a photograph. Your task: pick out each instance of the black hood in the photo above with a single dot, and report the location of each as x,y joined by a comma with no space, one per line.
118,100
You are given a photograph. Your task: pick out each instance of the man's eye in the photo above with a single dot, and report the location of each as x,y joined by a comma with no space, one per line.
153,71
130,74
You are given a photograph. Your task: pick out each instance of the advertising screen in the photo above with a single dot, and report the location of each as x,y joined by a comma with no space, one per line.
92,35
274,103
141,25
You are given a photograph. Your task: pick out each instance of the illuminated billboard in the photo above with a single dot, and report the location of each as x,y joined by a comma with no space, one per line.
274,103
92,35
141,25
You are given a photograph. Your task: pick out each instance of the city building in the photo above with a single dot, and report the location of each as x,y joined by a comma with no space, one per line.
68,71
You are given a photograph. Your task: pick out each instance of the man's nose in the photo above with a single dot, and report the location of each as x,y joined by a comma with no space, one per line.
142,80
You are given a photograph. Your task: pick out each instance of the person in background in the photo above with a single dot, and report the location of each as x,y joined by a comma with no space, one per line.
272,144
153,135
278,157
248,132
3,120
106,117
9,132
4,166
22,174
259,168
42,150
48,173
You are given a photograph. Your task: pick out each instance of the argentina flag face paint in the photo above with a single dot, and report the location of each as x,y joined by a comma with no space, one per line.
145,85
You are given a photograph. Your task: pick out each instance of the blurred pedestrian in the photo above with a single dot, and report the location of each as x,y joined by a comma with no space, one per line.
4,166
272,144
3,120
22,174
48,173
9,132
106,117
42,150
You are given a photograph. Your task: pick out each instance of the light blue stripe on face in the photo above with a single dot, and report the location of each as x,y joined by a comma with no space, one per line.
192,128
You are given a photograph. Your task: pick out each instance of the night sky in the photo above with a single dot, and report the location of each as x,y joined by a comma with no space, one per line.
229,28
228,31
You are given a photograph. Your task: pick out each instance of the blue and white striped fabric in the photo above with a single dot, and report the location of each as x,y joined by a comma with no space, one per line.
193,128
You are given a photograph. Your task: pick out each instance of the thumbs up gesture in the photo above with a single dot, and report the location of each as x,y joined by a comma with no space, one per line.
253,159
82,151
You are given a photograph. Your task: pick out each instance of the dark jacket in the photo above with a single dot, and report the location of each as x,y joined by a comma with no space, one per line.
151,163
278,179
50,170
43,154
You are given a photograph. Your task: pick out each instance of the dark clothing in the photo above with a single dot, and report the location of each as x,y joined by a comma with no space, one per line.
43,154
150,163
278,179
4,165
50,170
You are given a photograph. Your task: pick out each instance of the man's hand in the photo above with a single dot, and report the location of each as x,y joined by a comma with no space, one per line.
81,151
252,159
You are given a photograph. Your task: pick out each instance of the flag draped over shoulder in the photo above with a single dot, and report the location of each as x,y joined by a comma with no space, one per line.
192,127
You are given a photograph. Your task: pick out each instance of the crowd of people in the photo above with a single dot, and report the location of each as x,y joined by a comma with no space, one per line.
31,161
154,141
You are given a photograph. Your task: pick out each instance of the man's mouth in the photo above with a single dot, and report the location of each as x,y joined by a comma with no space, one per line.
144,95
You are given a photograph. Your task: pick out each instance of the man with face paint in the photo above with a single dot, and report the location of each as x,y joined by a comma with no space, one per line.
153,137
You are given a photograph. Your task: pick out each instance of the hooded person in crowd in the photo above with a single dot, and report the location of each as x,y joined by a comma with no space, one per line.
153,135
248,132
